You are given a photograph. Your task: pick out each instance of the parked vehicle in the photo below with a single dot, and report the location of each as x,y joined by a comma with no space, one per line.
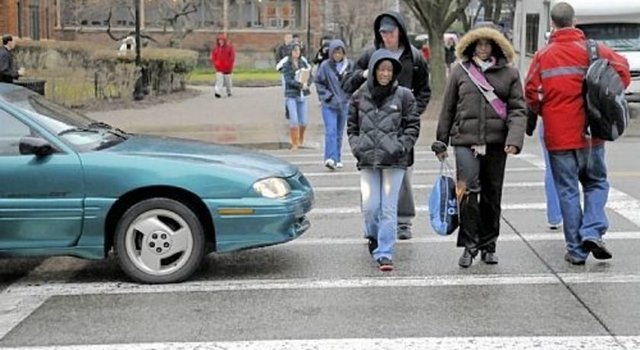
617,24
72,186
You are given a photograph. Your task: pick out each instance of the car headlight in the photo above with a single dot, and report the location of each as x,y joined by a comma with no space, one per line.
272,187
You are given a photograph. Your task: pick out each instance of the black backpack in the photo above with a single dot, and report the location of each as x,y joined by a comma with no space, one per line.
605,105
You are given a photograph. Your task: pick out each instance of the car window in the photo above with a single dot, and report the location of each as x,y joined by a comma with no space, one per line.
10,134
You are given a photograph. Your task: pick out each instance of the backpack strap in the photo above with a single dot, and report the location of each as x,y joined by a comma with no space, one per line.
592,50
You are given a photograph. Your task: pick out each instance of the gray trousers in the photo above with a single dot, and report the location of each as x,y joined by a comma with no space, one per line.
223,81
406,205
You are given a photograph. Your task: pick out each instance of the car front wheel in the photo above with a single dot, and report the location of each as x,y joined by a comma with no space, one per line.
159,240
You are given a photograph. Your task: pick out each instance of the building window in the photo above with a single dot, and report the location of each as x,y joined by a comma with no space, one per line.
275,14
198,14
533,24
88,13
35,21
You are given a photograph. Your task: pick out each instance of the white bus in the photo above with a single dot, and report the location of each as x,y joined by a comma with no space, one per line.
613,22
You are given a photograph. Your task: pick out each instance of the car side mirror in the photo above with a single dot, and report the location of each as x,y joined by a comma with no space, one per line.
36,146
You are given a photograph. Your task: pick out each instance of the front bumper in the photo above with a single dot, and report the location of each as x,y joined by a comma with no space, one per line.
264,221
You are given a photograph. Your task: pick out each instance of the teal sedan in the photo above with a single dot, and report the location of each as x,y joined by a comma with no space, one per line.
73,186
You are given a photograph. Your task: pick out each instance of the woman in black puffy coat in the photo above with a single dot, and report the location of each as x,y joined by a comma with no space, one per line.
383,127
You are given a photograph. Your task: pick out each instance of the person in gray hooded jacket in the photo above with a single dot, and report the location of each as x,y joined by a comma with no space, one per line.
383,127
334,100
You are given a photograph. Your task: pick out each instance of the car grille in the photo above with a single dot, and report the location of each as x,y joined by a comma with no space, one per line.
299,182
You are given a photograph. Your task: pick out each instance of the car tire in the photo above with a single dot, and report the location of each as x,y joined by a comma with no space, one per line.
159,240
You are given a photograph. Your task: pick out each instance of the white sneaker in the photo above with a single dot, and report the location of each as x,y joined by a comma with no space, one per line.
339,165
329,163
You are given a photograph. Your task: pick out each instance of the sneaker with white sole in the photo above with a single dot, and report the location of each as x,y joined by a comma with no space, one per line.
329,163
339,165
555,226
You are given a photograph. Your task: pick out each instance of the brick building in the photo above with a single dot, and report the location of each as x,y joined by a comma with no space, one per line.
27,18
254,26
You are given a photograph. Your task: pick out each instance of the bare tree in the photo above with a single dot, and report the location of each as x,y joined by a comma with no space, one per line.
436,16
353,22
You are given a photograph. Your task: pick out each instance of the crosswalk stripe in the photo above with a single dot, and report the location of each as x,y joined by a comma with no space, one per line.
415,172
102,288
435,343
421,187
434,238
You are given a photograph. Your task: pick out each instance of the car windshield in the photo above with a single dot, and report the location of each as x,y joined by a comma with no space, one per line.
73,127
618,36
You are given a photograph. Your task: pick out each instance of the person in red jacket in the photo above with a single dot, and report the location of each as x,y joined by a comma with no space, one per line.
223,57
554,91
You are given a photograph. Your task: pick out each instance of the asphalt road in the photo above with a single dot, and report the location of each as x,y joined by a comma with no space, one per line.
323,291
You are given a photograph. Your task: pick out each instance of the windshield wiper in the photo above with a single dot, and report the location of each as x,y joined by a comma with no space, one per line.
78,130
103,125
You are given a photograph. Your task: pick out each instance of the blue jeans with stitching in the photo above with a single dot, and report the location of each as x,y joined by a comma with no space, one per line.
584,167
379,189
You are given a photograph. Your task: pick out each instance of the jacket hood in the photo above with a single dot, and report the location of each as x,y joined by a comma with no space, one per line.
336,44
380,55
403,37
222,37
470,39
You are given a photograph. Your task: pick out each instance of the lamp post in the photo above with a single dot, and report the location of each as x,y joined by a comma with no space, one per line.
138,92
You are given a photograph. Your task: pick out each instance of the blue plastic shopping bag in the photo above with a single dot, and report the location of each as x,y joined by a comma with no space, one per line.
443,205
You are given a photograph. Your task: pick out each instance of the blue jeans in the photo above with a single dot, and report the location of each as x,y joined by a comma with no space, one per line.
585,166
554,216
379,189
297,107
334,123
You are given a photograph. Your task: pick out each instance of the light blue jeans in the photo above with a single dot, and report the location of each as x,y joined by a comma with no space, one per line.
586,167
554,216
335,120
297,107
379,190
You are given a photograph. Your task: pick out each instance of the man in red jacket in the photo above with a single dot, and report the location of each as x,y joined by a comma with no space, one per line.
223,57
554,91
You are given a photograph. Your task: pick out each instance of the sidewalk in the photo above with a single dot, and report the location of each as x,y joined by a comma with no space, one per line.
253,117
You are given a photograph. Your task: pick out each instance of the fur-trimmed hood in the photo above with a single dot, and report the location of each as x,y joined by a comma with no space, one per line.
474,35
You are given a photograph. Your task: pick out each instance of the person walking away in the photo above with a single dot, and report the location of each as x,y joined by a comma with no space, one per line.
391,33
554,216
296,73
426,51
383,127
483,130
558,72
223,58
8,71
449,54
334,101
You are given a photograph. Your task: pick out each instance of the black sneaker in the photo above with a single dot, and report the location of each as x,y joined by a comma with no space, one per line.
572,259
217,95
372,245
404,232
489,258
228,94
385,264
597,248
467,257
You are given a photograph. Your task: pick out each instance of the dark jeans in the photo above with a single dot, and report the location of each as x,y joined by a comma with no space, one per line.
480,181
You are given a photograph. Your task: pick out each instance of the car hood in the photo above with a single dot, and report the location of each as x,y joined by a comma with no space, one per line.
633,57
259,164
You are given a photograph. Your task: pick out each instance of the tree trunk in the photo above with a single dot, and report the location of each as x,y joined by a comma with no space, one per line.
437,66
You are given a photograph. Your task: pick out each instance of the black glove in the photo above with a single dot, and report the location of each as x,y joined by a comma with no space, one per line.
532,121
438,147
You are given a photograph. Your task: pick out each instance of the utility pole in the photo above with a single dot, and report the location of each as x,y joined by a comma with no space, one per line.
138,92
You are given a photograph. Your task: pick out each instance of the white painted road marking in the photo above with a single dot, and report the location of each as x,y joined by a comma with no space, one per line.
435,343
434,238
415,172
422,187
104,288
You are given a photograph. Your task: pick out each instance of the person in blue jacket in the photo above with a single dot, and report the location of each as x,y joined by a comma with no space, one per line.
334,101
